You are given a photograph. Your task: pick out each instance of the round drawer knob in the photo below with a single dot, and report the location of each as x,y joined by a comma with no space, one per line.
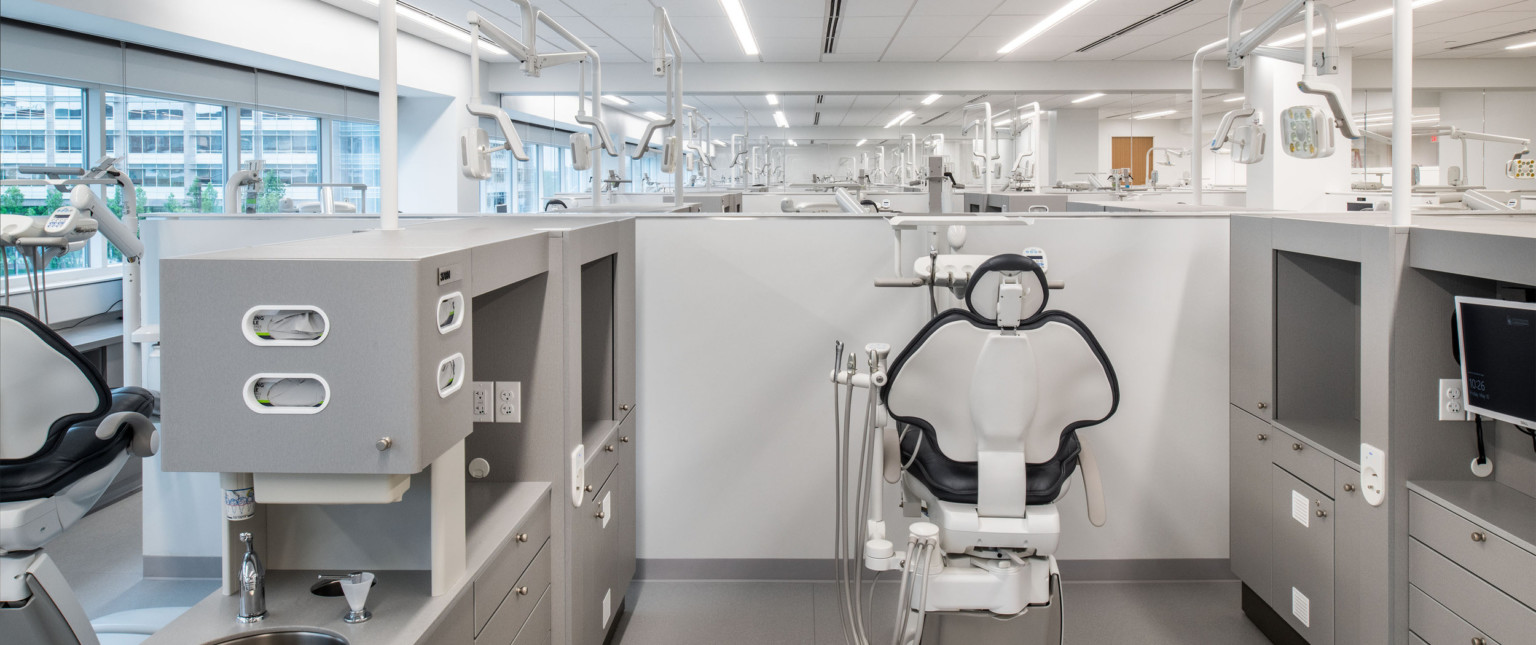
522,537
624,408
522,591
1263,437
589,488
1477,536
623,439
1478,640
1263,405
601,515
1349,488
384,444
1296,447
608,448
1322,513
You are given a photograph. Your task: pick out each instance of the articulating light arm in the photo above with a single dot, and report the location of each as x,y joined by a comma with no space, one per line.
1224,131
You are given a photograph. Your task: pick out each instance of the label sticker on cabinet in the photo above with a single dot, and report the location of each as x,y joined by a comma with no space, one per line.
1301,607
1299,507
607,607
607,507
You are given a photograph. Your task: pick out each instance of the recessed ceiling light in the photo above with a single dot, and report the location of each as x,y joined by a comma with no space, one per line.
1088,98
1153,115
1522,45
792,142
1233,99
773,99
1043,26
718,143
901,118
441,26
738,16
778,118
1352,22
654,116
931,98
616,100
861,143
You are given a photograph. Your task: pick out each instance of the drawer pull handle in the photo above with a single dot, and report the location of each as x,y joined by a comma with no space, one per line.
624,408
601,515
1322,513
522,537
1477,536
608,448
1478,640
1349,488
589,488
1263,405
1263,437
522,591
1296,447
624,439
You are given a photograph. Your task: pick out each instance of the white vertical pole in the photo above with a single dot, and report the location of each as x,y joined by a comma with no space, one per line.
1402,112
389,119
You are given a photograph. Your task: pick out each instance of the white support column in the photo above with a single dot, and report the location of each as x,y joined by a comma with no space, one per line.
1402,112
389,118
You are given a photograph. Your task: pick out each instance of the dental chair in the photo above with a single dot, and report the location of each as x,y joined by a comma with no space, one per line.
979,419
63,438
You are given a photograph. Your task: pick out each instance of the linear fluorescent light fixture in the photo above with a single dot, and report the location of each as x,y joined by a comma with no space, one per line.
718,143
1352,22
861,143
1521,46
778,119
738,17
794,143
931,98
431,21
773,99
1233,99
1153,115
901,118
654,116
1065,12
616,100
1090,97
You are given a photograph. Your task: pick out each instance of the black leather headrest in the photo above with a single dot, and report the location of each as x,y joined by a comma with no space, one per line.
1005,264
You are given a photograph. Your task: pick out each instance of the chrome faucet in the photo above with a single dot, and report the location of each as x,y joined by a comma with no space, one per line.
253,584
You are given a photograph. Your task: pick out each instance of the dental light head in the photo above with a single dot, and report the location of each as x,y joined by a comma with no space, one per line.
1247,140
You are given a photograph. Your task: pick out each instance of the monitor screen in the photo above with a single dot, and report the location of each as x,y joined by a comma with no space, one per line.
1498,358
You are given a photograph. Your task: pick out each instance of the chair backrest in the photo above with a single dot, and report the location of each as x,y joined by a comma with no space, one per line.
45,386
933,380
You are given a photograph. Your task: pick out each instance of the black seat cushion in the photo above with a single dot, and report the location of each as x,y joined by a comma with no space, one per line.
78,454
956,481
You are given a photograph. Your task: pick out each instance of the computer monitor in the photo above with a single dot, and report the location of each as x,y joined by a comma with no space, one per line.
1498,358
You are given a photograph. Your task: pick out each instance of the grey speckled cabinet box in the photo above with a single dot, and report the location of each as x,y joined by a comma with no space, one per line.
380,357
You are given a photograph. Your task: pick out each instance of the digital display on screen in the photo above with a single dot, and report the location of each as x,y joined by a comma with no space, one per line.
1498,358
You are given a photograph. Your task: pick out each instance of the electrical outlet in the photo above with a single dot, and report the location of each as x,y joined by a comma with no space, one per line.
1452,400
509,402
481,394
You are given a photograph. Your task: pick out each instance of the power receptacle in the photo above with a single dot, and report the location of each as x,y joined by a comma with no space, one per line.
1452,400
508,406
480,397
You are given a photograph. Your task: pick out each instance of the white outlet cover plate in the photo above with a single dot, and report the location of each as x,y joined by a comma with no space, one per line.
1373,474
578,475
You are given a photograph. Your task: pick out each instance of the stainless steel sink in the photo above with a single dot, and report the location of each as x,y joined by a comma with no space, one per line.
288,637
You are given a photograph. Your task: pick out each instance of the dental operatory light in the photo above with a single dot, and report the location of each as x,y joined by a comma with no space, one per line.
779,120
1521,46
738,16
1352,22
1153,115
901,118
616,100
773,99
430,21
1090,97
1043,26
931,98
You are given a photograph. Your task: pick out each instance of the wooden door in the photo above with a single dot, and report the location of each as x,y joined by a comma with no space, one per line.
1131,152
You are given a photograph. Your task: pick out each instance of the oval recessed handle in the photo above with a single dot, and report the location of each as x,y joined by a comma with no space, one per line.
1349,488
1263,437
1296,447
1477,536
522,537
522,591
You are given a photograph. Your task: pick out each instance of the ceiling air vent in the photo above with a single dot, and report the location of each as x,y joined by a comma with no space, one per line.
1137,25
829,35
1484,42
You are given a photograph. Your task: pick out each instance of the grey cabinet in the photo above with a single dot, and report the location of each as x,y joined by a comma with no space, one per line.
1252,316
604,537
1349,543
1303,593
1251,539
1472,568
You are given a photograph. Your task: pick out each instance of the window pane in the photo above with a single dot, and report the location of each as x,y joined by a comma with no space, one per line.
289,143
356,160
40,125
169,174
495,193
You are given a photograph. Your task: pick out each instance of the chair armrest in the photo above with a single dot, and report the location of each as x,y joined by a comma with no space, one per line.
1093,487
145,441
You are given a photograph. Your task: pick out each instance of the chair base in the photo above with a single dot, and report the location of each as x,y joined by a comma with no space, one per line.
962,529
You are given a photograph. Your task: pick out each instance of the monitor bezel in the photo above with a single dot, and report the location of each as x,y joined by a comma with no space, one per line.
1461,352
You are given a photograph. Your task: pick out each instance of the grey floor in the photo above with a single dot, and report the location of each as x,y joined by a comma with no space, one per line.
102,558
1097,613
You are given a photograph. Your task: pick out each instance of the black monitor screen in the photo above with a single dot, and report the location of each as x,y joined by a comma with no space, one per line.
1498,359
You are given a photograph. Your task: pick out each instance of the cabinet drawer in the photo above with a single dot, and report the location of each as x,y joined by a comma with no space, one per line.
492,587
1413,639
1251,538
1302,460
1438,625
519,604
456,625
1489,610
538,629
1486,555
603,456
